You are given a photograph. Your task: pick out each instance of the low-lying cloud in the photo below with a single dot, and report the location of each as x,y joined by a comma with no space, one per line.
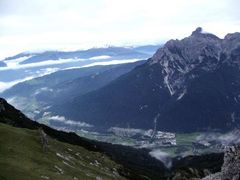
45,71
104,63
100,57
162,156
42,72
39,64
7,85
230,138
43,89
62,119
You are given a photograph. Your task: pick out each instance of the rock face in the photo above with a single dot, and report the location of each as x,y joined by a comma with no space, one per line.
231,166
180,59
191,57
193,84
196,167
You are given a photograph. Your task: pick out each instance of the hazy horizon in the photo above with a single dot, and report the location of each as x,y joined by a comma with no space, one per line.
72,25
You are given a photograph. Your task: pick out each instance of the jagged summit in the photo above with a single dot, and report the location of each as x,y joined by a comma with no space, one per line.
189,47
186,59
232,36
181,57
197,31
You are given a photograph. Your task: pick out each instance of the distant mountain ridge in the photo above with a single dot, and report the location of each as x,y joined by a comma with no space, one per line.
141,52
190,85
37,94
29,65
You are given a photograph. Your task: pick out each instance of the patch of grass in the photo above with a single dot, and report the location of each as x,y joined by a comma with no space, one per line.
22,158
186,139
184,144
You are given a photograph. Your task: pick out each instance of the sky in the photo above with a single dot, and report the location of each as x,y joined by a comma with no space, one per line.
37,25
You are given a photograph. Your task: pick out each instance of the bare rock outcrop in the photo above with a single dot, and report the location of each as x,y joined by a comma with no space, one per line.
231,166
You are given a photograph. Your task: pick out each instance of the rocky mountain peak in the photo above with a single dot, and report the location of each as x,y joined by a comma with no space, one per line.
197,31
232,36
190,49
231,42
179,58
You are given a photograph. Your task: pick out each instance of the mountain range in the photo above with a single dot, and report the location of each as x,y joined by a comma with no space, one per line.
171,91
110,52
37,94
188,85
29,65
189,88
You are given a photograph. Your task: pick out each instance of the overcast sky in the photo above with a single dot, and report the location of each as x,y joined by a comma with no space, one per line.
76,24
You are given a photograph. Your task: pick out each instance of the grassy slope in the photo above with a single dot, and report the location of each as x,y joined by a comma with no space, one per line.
22,157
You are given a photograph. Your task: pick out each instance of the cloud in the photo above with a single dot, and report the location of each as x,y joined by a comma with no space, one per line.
45,71
6,85
43,89
162,156
100,57
62,119
75,24
230,138
15,65
15,62
122,61
105,63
